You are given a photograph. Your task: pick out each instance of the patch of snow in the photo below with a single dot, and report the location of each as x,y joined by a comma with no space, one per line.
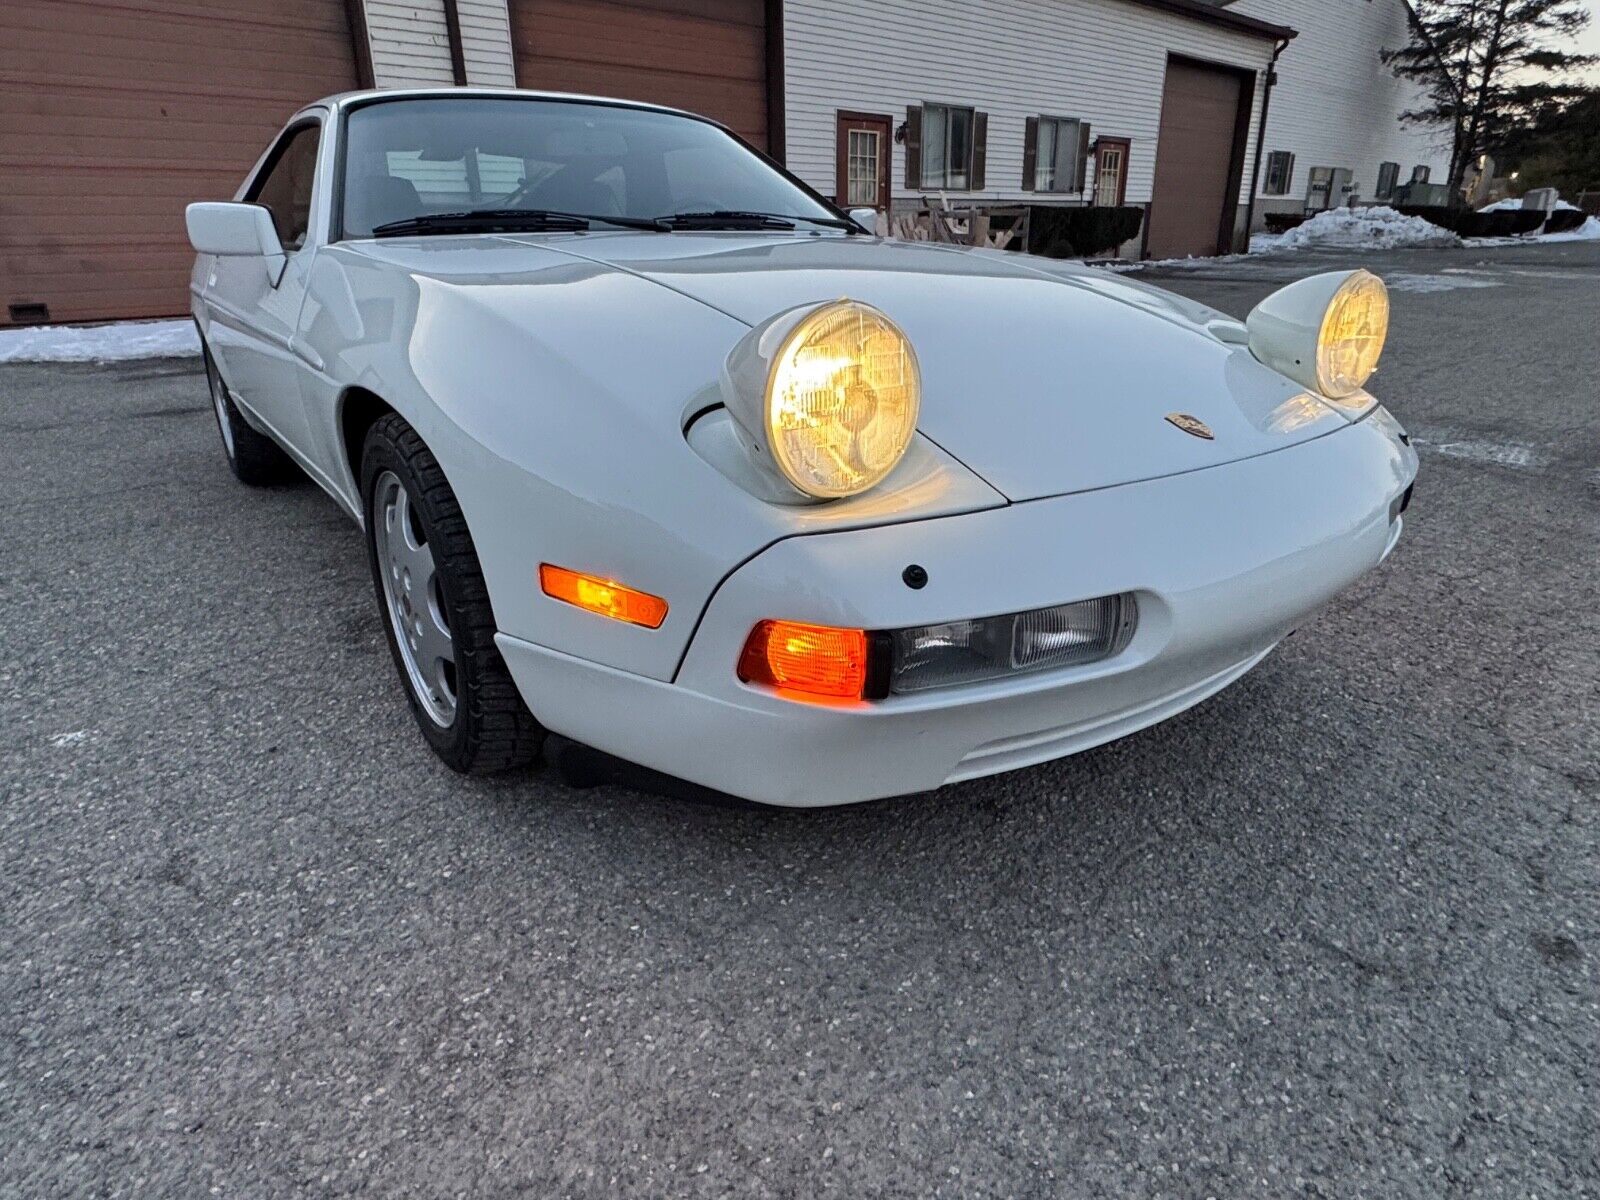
62,740
1169,264
1378,228
1589,231
1449,282
99,343
1499,454
1516,203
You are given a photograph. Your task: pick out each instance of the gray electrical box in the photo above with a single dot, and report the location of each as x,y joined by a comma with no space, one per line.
1543,199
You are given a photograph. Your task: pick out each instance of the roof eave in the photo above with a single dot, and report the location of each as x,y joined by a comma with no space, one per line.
1212,14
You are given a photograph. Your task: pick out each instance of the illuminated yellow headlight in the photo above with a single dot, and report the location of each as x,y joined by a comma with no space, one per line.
1354,330
842,400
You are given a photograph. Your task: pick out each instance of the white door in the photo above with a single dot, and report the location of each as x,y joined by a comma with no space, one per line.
253,320
1108,176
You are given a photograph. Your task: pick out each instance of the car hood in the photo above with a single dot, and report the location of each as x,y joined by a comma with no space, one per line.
1042,377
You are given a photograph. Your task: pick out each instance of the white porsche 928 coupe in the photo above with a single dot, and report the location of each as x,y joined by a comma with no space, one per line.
656,449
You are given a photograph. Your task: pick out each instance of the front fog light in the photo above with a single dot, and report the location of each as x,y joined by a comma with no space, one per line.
1068,635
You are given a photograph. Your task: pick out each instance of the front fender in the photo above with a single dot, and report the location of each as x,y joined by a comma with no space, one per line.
554,397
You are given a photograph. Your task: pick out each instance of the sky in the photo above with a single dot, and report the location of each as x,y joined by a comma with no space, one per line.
1589,42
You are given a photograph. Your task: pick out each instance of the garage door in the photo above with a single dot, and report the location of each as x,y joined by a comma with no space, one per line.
1198,160
113,116
707,56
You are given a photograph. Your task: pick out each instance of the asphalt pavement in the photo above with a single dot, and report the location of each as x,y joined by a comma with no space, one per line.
1335,932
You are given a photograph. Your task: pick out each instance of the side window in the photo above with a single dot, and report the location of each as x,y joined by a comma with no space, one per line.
1280,171
950,141
1058,154
1388,176
285,186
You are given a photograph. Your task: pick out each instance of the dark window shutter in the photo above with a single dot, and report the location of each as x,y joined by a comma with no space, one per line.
1083,156
1030,153
914,148
1288,173
980,148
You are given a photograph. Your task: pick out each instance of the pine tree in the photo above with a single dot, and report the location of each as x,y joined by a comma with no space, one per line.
1486,65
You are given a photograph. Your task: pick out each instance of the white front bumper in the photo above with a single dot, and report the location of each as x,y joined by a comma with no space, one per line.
1224,562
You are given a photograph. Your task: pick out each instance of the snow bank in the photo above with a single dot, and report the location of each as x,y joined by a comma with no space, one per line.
1589,231
99,343
1380,228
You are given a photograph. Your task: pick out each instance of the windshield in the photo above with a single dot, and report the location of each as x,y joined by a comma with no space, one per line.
406,159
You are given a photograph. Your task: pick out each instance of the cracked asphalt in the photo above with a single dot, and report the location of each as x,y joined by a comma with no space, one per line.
1332,933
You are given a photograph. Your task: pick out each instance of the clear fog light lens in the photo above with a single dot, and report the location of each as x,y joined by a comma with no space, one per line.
1068,635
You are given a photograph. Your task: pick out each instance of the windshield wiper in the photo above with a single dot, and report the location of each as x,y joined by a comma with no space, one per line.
508,220
736,219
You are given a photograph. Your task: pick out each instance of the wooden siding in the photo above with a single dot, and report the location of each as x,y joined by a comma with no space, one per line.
707,56
410,43
1103,61
486,43
1335,103
113,117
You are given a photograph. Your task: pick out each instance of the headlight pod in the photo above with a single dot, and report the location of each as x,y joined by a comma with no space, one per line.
1326,333
827,395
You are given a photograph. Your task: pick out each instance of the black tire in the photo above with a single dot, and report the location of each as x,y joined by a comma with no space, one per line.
254,458
490,728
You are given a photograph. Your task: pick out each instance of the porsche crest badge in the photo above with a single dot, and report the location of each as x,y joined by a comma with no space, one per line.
1192,425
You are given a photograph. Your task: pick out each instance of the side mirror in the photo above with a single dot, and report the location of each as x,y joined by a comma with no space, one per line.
237,230
867,218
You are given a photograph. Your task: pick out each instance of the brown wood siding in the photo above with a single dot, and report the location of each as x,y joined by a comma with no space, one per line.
706,56
1196,181
114,116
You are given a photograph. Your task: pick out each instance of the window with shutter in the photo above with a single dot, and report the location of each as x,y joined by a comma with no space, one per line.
952,148
1061,153
1280,173
1388,176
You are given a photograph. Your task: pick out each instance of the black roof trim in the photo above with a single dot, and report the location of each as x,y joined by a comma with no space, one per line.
1213,14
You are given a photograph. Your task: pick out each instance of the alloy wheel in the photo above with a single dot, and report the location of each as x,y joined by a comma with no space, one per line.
219,401
411,589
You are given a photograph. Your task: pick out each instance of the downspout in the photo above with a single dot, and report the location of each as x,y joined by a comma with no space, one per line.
1261,142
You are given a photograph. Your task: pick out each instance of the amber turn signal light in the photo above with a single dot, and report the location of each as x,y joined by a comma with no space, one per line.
603,596
808,662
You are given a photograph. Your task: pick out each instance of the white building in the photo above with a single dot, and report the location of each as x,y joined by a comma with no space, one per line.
1333,127
1140,102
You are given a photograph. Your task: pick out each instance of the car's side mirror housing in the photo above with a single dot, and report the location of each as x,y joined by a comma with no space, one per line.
236,230
867,218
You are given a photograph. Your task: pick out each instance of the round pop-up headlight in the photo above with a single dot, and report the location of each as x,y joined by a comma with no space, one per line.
829,394
1325,333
